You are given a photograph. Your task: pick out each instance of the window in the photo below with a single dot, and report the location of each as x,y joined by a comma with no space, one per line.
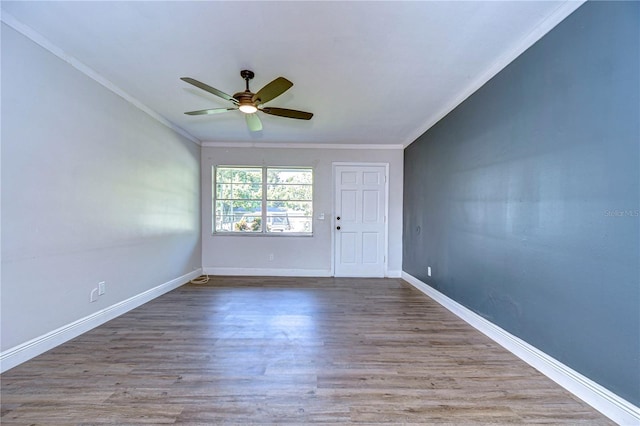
263,200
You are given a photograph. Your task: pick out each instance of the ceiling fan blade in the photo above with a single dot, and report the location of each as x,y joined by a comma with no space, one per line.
210,111
209,89
272,90
253,122
289,113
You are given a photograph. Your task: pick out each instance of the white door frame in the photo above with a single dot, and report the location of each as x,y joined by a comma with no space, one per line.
333,212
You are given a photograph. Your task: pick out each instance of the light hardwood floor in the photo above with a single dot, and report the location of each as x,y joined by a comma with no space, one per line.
257,350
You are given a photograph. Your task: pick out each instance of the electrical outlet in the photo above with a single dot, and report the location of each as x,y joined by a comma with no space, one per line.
93,296
270,257
102,288
428,271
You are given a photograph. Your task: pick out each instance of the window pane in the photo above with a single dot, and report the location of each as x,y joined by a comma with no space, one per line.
247,175
239,191
289,176
238,195
223,174
249,222
289,192
289,216
229,213
223,191
246,191
238,175
289,196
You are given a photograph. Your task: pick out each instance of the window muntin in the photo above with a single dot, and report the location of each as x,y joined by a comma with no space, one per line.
245,198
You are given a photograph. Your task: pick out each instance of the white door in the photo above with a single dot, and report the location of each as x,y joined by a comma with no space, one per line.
359,222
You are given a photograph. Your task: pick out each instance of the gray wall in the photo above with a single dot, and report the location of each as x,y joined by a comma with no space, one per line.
525,199
93,189
294,255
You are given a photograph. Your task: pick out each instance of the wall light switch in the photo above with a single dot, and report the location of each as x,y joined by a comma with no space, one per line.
428,271
102,288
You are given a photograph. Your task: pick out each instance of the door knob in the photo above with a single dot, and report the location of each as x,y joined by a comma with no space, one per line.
338,228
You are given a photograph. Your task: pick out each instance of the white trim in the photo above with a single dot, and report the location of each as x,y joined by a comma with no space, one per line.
394,274
387,178
272,272
300,145
611,405
557,16
34,347
333,219
39,39
267,272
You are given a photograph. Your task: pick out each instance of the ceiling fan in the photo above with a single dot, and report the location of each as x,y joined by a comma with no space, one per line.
249,103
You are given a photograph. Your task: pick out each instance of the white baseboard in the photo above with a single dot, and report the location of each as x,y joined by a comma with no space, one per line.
275,272
268,272
611,405
394,274
34,347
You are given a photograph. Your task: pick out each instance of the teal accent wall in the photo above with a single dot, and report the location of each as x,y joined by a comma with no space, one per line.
524,200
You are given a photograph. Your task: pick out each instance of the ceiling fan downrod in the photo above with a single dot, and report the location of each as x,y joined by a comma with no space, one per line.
247,75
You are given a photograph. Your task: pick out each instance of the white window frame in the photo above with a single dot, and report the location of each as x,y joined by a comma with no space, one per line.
263,232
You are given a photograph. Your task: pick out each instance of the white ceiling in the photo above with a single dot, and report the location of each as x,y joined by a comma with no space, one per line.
371,72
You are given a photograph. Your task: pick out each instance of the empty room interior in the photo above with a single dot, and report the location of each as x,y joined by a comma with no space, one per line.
320,212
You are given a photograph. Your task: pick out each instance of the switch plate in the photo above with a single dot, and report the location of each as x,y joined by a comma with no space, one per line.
428,271
102,288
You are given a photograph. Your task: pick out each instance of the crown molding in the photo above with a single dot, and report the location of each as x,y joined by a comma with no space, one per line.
45,43
557,16
299,145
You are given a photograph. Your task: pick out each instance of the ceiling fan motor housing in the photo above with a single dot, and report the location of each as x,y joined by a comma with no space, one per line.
245,100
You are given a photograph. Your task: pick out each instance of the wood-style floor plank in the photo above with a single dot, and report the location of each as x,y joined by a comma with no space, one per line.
256,350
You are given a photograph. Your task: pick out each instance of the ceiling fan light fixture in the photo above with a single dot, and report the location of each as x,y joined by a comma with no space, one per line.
247,109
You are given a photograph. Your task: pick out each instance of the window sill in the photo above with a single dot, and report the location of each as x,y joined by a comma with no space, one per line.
262,234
